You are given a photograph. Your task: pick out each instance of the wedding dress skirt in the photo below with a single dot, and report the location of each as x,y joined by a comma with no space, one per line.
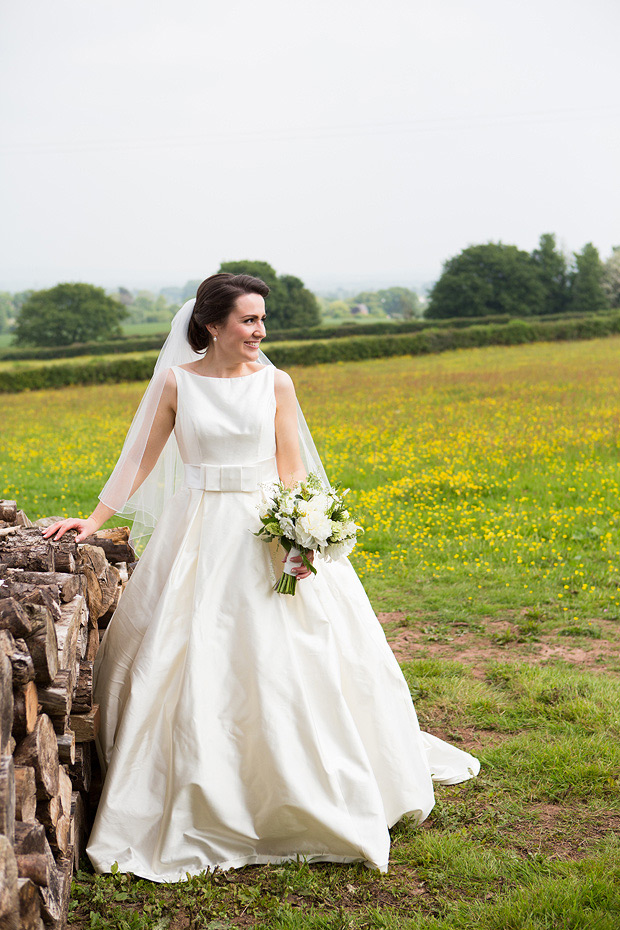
238,725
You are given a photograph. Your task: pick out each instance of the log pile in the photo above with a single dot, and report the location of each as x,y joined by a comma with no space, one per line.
54,599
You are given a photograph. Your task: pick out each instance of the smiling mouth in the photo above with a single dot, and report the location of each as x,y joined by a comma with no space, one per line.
253,345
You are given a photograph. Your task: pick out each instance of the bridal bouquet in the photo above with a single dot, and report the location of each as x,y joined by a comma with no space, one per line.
307,517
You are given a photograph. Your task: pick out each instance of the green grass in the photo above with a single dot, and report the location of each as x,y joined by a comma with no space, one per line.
488,481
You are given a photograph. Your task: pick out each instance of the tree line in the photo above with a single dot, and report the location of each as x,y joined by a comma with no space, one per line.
495,278
79,312
482,280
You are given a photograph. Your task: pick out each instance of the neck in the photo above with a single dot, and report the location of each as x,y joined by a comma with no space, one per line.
216,364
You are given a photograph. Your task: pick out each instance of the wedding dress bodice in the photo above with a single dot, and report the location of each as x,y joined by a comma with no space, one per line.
225,421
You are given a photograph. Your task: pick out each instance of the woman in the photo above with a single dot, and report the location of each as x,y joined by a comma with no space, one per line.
238,725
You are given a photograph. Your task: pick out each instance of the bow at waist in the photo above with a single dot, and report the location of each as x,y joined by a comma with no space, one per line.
207,477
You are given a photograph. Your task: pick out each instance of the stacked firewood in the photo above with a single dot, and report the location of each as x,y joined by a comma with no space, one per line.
54,599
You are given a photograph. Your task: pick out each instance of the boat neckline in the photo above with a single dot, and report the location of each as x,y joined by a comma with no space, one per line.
215,378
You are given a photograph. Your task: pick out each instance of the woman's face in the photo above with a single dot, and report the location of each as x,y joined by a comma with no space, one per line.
244,329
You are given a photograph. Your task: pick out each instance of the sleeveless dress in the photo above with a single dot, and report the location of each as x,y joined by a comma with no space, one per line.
238,725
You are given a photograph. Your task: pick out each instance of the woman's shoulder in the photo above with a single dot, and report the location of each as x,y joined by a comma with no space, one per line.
168,382
283,382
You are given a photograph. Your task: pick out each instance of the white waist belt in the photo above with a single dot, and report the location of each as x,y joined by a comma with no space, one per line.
206,477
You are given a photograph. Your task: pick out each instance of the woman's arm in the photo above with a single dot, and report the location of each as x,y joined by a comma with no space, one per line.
288,457
163,424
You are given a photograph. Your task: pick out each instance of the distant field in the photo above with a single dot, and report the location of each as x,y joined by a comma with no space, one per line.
155,329
22,364
145,329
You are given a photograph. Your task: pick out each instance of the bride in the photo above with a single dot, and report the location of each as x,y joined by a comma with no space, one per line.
238,725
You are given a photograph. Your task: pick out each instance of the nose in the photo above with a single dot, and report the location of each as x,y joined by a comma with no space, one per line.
259,329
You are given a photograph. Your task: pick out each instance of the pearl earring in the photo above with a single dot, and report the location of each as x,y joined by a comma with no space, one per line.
215,339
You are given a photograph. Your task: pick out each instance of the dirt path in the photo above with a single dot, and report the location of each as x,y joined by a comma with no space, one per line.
500,641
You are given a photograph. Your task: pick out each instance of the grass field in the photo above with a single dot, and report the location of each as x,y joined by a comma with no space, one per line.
488,482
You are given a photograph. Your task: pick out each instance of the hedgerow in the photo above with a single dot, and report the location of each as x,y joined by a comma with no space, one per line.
439,339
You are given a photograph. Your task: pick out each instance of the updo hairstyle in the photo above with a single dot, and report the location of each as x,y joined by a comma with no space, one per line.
215,299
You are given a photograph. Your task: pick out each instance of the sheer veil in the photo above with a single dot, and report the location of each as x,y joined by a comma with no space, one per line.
146,504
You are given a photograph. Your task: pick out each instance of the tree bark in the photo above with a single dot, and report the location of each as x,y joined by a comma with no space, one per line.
115,544
30,838
25,793
28,549
66,747
9,897
7,797
40,750
93,644
68,585
34,866
25,710
85,726
55,814
80,770
83,692
17,652
14,618
74,616
56,699
6,702
43,645
8,511
29,905
78,819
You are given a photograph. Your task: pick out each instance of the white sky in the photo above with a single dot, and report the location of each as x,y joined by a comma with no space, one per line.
354,142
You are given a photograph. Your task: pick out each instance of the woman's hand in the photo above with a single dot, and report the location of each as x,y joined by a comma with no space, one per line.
301,571
86,528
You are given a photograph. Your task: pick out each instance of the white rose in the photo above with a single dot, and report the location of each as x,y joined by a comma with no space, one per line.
339,550
287,505
349,529
264,506
287,527
313,529
318,504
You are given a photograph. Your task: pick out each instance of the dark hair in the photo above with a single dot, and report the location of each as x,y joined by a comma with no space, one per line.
215,298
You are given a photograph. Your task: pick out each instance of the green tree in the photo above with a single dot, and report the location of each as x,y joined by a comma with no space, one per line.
587,294
299,306
611,277
68,313
485,280
553,273
371,299
147,308
7,310
337,309
400,302
290,304
190,289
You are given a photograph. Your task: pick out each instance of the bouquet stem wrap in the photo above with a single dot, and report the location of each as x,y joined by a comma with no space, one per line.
288,582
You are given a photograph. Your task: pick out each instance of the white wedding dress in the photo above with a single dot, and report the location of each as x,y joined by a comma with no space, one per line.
239,725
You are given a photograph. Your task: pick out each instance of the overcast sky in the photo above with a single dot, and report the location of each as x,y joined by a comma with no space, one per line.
344,141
